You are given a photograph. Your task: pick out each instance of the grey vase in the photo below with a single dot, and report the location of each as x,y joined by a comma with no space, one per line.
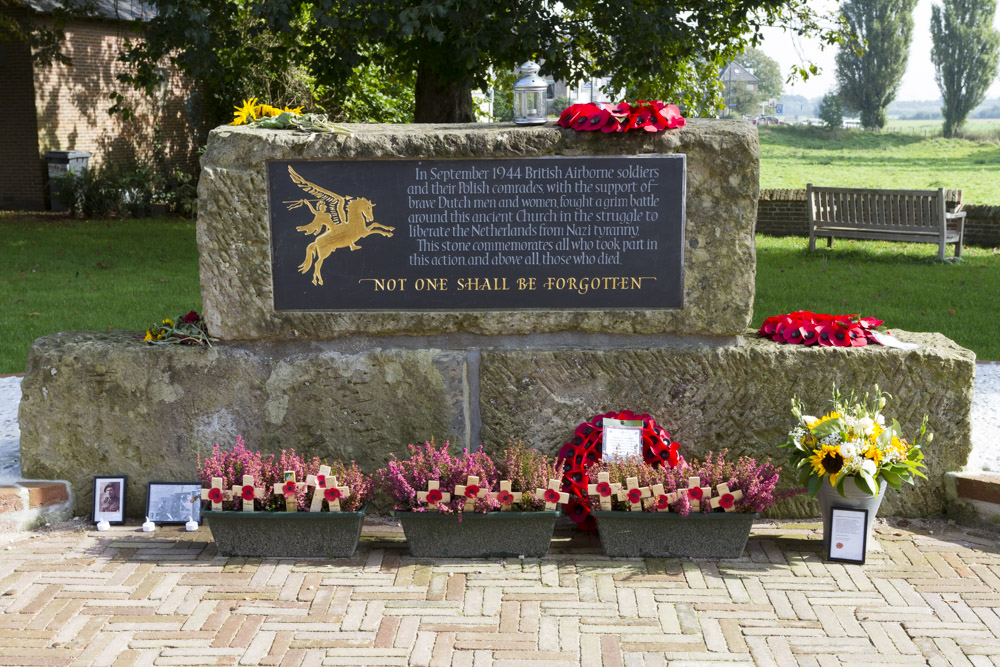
855,499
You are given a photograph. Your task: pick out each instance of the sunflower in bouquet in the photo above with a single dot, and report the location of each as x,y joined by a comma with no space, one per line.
854,440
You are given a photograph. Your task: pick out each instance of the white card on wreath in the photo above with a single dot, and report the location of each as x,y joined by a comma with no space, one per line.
891,341
622,439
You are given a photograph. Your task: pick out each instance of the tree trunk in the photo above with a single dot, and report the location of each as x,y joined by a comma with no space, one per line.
440,99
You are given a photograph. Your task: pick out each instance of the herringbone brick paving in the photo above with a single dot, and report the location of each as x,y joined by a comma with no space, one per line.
931,595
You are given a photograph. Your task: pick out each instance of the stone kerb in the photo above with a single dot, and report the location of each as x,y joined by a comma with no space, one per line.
234,241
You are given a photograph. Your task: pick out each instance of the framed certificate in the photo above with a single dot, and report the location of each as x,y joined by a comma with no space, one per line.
622,439
848,535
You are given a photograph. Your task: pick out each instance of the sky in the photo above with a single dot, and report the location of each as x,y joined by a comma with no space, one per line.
918,82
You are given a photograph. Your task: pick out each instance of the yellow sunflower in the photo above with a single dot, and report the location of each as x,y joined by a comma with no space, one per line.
296,110
874,453
827,460
809,440
245,113
828,416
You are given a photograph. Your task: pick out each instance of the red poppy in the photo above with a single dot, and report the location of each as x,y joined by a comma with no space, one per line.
321,481
695,492
551,496
858,336
248,492
582,119
434,496
672,115
568,114
613,124
809,334
332,494
620,110
662,502
471,491
840,336
634,495
597,120
604,489
792,334
870,322
289,488
727,500
215,495
505,497
191,317
640,119
824,335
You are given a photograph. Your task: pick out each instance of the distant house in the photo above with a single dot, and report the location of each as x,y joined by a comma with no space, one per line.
59,107
735,75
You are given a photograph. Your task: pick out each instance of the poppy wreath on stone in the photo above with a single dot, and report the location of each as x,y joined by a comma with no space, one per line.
584,450
653,116
805,328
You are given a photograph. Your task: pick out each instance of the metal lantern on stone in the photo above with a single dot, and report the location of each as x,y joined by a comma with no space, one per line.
529,95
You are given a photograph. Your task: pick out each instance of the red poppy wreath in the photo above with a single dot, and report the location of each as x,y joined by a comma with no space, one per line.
585,449
654,116
805,328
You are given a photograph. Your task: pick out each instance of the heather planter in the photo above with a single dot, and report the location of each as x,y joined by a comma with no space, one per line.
286,534
491,535
671,535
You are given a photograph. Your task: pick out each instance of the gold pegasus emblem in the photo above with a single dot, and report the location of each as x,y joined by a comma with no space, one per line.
331,227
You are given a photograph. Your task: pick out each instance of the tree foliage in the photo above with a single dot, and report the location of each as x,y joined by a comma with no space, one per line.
831,111
966,53
869,77
45,38
767,71
447,48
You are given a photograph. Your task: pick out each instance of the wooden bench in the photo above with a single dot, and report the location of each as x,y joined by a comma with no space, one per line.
888,215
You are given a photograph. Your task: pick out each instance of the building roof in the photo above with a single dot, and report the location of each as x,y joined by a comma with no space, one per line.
118,10
737,72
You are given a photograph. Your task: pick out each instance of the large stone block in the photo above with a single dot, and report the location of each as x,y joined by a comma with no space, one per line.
735,397
97,403
234,236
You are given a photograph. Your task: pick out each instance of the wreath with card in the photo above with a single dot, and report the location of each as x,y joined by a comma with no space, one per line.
587,447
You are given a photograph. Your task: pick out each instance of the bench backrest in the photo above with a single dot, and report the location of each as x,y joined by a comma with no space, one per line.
889,210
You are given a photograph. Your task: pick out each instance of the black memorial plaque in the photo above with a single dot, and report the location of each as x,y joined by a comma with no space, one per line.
515,233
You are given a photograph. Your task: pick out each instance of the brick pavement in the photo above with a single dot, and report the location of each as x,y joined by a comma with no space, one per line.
79,597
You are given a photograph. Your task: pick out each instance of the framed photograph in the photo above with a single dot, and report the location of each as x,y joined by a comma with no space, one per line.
173,502
109,499
848,535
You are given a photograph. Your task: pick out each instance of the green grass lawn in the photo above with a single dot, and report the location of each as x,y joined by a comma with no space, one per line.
62,274
984,127
901,283
791,157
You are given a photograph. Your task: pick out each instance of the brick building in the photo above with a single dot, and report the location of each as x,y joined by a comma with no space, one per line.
49,107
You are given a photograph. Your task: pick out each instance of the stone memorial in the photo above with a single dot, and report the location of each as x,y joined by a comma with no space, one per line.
481,283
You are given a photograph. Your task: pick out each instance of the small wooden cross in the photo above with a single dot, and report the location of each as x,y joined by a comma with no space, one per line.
633,494
326,488
433,495
552,495
604,489
216,494
289,488
696,493
248,492
471,490
727,499
505,496
661,500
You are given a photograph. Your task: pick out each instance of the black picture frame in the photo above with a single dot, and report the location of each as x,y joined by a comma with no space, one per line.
171,502
109,499
840,552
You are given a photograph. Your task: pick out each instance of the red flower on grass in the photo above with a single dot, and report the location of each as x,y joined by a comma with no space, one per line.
248,492
434,496
471,491
604,489
505,497
289,488
333,494
215,495
727,500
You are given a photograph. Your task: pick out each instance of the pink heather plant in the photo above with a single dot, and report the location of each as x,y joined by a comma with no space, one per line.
527,470
757,481
269,470
401,479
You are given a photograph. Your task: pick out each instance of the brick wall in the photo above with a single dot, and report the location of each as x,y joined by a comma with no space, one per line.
70,111
783,213
20,169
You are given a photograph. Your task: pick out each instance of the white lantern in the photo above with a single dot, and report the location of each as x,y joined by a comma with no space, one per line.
529,96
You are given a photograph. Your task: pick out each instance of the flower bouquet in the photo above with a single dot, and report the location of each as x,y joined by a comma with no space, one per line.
282,505
653,116
187,329
662,511
472,504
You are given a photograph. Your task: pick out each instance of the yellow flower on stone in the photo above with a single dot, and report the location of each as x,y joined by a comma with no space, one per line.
149,336
296,110
244,114
827,460
828,416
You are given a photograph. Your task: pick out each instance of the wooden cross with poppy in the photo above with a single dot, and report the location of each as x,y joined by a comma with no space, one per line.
727,499
470,490
216,494
661,500
505,496
433,495
289,489
633,494
552,495
248,492
604,489
696,493
326,488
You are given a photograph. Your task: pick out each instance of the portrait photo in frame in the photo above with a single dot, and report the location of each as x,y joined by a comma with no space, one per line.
173,502
109,499
848,535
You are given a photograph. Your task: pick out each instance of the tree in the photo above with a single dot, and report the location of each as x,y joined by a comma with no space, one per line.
449,47
767,71
966,53
831,111
869,77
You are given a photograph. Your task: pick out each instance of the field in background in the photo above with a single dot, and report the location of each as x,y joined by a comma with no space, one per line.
791,157
976,128
60,275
